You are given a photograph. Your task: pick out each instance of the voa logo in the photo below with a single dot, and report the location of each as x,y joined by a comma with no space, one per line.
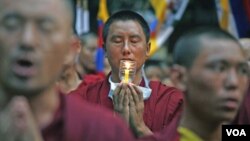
236,132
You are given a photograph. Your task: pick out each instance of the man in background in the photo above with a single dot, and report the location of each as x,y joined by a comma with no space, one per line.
215,76
86,60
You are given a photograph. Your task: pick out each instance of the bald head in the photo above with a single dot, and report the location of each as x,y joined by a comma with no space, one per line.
190,45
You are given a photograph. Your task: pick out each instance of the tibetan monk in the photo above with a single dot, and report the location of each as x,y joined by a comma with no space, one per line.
35,38
215,76
147,106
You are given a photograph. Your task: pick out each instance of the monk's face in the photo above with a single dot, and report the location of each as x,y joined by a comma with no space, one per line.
88,54
34,40
217,80
154,73
126,41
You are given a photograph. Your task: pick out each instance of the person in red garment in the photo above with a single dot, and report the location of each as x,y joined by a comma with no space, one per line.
86,62
69,79
35,38
243,116
215,74
147,106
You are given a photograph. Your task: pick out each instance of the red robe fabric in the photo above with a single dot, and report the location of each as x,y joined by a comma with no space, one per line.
165,134
77,120
243,116
90,78
164,104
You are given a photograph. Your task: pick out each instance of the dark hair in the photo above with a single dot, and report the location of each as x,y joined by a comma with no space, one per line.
86,36
125,15
189,45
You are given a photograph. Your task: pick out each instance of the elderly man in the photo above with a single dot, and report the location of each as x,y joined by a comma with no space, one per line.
147,106
35,38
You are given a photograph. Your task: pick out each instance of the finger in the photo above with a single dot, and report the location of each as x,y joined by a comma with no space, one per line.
139,92
126,100
131,102
21,113
119,99
134,94
116,94
26,127
118,89
124,92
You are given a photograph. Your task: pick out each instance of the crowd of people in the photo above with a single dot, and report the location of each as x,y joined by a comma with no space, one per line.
51,91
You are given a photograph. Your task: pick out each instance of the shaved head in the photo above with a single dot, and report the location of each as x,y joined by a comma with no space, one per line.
189,45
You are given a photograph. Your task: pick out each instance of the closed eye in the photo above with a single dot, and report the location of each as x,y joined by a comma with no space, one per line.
12,22
135,39
117,39
46,25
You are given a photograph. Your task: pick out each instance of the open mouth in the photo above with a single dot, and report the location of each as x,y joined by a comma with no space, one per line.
24,63
24,68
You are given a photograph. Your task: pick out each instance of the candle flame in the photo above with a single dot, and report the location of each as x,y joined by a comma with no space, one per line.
127,65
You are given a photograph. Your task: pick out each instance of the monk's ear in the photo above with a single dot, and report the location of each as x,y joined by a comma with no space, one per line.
179,76
148,48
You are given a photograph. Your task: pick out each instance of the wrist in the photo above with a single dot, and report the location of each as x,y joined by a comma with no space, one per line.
143,130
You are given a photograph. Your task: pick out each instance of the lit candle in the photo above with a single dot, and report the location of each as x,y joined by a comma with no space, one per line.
126,76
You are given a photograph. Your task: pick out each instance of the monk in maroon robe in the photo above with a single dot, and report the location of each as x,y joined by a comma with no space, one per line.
147,106
206,55
35,39
76,120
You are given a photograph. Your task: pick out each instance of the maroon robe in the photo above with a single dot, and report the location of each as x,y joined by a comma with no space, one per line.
243,116
90,78
164,104
77,120
167,134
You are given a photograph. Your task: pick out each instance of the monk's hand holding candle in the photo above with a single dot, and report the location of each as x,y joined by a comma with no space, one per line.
136,110
121,101
121,94
17,123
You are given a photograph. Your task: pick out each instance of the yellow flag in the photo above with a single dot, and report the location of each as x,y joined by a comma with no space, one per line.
160,7
225,13
103,11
